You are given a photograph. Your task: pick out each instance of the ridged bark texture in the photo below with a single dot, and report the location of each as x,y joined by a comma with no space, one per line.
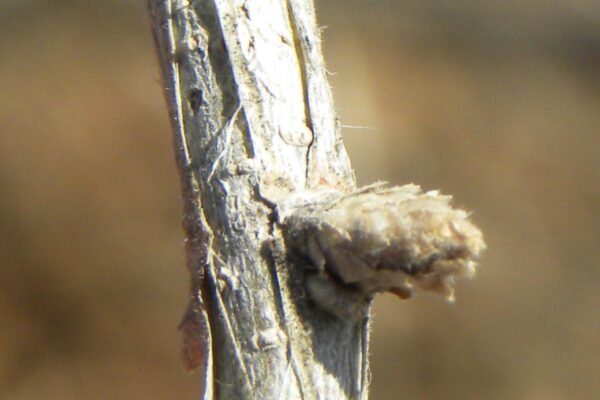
254,122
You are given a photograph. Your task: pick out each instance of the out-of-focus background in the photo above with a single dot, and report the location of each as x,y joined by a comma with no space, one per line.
496,102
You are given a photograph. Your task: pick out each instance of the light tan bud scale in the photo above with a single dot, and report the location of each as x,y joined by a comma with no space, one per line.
381,239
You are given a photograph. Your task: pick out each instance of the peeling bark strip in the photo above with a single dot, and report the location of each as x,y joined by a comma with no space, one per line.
262,167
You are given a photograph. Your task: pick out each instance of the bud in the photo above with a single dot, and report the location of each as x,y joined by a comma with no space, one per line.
380,239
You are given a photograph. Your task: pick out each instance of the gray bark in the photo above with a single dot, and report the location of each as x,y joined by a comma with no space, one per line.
285,254
254,124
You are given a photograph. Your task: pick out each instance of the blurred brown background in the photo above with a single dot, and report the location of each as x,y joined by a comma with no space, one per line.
495,102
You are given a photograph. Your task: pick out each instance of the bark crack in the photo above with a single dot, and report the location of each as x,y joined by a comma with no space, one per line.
302,66
276,255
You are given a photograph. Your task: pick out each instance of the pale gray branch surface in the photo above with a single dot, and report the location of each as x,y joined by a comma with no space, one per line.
284,252
254,122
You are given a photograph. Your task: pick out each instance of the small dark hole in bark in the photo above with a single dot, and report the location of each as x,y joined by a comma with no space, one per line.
195,98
